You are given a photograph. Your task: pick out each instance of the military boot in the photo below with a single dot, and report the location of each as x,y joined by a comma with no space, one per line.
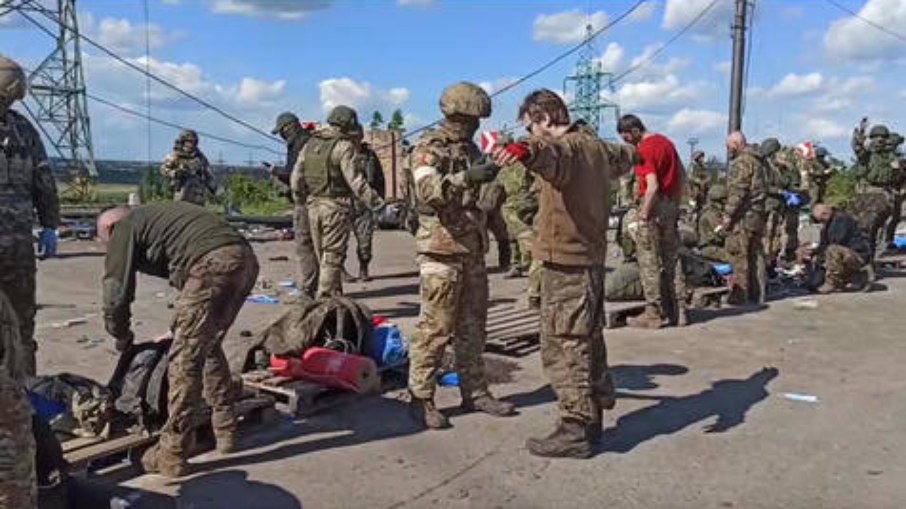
569,440
594,430
828,287
226,441
489,405
426,414
363,272
649,319
156,461
514,273
347,277
534,303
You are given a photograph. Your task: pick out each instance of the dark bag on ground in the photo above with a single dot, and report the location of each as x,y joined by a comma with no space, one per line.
139,383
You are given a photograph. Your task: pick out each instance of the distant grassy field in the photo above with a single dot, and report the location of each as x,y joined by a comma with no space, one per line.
99,193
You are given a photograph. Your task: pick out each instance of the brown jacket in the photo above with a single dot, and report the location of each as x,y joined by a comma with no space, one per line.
576,170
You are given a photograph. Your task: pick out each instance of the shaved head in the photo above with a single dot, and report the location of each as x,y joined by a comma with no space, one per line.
108,219
735,142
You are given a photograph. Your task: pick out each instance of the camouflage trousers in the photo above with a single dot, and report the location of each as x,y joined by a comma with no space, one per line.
573,353
624,284
746,249
716,253
305,251
524,237
772,235
657,242
790,232
498,228
454,310
18,282
215,289
842,264
363,228
18,486
896,215
871,210
330,221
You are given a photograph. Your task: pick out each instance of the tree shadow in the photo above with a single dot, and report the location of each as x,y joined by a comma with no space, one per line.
728,400
232,488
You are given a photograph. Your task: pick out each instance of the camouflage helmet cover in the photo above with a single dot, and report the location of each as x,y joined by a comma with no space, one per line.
769,147
718,192
343,117
186,135
465,98
878,131
13,82
284,119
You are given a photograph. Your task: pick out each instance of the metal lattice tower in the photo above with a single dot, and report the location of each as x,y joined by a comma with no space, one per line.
57,85
585,85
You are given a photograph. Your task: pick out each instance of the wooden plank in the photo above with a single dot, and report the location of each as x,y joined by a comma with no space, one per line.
108,448
77,443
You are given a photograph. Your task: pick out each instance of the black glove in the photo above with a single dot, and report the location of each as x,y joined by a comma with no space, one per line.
482,172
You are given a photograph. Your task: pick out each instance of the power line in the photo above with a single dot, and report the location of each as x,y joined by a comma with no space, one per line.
150,75
670,41
147,11
855,14
174,125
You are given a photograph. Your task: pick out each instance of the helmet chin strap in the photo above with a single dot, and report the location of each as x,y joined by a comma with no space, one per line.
461,130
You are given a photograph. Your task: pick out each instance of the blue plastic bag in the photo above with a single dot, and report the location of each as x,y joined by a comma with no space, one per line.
387,346
900,241
449,379
794,199
47,243
263,299
723,269
46,408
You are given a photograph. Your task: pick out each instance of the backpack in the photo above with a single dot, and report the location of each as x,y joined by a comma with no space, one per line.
87,406
140,385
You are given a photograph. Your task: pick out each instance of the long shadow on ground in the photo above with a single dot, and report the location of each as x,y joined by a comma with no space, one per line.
728,400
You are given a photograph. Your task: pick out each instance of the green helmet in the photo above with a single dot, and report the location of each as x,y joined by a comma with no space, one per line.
465,98
769,147
284,119
821,152
344,118
878,131
718,192
13,83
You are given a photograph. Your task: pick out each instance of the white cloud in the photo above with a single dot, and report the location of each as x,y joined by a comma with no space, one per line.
255,91
823,129
696,122
644,11
172,2
280,9
359,94
714,24
612,57
841,94
792,85
723,67
566,27
398,96
122,36
852,38
414,3
649,68
495,85
656,95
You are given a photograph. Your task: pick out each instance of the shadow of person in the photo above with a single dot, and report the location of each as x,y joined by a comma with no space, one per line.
641,378
231,488
706,315
728,400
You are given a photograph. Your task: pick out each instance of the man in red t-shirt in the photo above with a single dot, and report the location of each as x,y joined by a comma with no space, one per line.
660,183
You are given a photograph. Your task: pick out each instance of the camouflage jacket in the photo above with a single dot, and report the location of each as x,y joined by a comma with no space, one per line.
346,159
179,168
26,186
450,221
700,179
707,232
747,185
521,190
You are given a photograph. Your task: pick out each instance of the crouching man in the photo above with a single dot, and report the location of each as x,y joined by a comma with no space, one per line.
576,168
843,251
214,269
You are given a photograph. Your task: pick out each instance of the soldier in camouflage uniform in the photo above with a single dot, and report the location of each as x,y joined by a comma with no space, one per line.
700,181
744,218
519,213
187,170
576,169
26,187
712,241
881,175
18,487
329,170
818,173
843,251
791,165
490,200
776,164
214,269
363,215
451,242
296,136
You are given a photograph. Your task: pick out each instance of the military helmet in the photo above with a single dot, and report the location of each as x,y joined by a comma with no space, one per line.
697,155
187,135
284,119
718,192
769,147
878,131
343,117
13,82
465,98
821,152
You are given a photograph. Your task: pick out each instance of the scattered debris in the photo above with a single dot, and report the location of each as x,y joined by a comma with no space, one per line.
287,283
262,299
805,398
160,295
280,258
81,320
805,304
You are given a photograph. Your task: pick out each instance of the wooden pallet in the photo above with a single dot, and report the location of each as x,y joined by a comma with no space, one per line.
512,330
81,452
897,261
298,397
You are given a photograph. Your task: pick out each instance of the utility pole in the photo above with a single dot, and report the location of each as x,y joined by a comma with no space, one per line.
738,71
693,142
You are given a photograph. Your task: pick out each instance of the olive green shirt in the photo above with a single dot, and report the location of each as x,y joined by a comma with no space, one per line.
160,239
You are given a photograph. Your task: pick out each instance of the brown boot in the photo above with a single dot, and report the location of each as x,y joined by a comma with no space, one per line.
426,414
226,441
827,288
649,319
155,461
489,405
569,440
607,392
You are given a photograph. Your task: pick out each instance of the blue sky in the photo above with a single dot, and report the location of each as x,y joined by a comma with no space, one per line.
815,70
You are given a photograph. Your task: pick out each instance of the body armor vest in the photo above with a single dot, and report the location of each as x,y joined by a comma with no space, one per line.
322,177
17,168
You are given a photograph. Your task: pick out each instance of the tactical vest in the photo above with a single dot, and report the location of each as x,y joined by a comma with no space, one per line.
880,171
17,169
451,157
323,178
